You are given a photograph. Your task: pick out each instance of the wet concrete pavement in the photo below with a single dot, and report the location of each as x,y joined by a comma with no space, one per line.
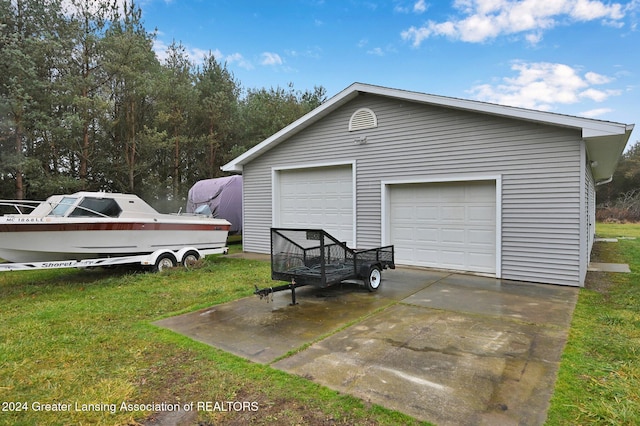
446,348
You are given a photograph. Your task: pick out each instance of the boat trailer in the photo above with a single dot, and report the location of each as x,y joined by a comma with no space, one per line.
304,257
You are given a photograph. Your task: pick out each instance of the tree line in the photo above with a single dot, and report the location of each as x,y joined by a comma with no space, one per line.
619,200
85,104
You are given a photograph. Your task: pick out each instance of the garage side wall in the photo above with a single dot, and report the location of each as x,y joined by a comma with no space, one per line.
589,219
539,167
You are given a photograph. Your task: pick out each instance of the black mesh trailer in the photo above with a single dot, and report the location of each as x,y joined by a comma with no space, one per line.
304,257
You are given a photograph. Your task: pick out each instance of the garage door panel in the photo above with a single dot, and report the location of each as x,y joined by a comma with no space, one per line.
461,231
449,236
481,214
482,237
319,197
452,259
453,213
482,263
427,214
450,194
313,204
404,233
430,256
479,192
404,252
428,235
403,213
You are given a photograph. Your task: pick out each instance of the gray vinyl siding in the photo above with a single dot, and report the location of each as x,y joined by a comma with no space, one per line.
256,205
539,166
591,211
589,217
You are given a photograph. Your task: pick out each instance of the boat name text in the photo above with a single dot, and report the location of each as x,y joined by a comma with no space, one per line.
25,219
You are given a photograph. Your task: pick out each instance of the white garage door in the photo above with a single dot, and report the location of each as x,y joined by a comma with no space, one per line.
319,197
445,225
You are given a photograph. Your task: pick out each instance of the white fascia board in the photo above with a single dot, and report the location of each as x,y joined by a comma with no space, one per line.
590,127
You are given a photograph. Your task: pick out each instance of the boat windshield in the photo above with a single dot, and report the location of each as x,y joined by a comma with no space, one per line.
63,206
97,207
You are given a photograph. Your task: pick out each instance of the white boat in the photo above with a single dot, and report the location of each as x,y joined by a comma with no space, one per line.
87,225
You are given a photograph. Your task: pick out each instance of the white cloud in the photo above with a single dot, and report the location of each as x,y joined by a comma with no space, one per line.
482,20
237,58
594,78
91,7
420,6
417,35
543,85
376,51
197,55
314,52
269,58
160,48
596,112
599,95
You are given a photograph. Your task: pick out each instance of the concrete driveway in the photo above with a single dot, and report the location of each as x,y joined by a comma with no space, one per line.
445,348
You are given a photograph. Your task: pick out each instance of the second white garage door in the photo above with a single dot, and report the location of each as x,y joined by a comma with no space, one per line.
319,197
444,225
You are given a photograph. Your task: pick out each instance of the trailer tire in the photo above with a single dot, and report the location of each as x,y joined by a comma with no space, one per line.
373,278
165,261
190,258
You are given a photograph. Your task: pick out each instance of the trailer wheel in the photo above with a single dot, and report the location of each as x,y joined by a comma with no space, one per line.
190,258
373,278
165,261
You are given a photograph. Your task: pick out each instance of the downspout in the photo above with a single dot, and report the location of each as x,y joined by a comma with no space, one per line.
602,182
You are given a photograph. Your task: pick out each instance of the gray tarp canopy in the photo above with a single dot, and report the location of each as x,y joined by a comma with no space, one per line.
223,196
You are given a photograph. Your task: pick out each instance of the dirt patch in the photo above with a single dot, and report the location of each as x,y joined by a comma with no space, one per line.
599,281
170,379
281,412
286,412
172,418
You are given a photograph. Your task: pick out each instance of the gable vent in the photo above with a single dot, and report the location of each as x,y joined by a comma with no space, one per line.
362,119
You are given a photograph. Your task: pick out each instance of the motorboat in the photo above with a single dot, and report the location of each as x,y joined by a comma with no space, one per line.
87,225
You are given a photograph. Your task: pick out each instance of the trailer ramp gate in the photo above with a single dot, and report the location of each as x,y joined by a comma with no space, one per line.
314,257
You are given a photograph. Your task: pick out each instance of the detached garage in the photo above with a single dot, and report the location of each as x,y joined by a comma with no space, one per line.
453,184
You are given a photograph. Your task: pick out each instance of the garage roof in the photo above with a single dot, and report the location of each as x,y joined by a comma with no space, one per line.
605,140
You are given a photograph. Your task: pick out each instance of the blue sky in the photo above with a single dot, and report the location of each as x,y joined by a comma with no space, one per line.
577,57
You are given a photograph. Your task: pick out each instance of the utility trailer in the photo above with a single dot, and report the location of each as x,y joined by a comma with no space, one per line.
313,257
156,261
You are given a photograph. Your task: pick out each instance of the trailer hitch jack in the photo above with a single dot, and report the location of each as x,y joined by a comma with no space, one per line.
265,292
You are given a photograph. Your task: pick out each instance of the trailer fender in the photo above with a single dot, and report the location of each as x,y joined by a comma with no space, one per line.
366,269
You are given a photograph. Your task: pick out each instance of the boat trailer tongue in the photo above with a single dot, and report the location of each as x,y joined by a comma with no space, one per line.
304,257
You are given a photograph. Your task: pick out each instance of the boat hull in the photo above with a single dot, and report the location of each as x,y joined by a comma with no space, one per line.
48,240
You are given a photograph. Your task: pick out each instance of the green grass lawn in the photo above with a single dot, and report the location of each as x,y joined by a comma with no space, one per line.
85,338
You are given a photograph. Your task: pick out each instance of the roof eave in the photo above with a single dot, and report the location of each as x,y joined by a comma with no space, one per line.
604,153
598,135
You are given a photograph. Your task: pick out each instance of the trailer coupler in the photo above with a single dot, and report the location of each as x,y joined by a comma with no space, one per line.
266,292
